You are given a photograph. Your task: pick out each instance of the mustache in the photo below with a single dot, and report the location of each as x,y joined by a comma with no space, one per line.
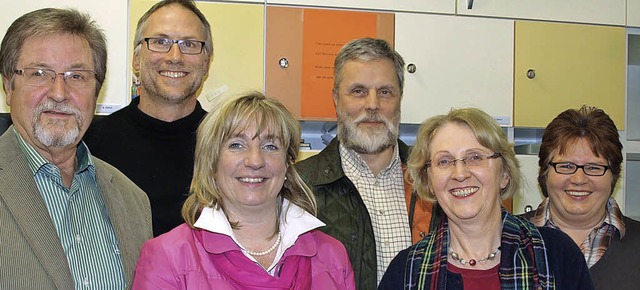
369,117
373,117
53,106
50,105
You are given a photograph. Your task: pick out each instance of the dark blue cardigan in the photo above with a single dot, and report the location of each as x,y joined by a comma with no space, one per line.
565,260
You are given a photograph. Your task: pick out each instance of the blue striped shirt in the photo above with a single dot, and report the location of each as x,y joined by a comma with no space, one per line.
81,219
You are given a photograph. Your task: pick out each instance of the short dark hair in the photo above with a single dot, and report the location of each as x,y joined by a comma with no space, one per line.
588,123
53,21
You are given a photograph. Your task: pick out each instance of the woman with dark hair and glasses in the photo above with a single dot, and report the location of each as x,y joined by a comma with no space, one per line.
580,162
465,163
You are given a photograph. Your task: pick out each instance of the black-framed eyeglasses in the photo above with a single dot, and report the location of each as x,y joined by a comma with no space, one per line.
41,77
471,160
186,46
571,168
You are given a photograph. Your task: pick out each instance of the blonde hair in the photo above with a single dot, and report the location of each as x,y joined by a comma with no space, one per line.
487,132
225,121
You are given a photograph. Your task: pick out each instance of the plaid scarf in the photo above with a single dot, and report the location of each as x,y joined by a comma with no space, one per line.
523,263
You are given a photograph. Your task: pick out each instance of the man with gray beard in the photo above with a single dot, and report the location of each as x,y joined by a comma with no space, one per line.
68,220
358,178
152,140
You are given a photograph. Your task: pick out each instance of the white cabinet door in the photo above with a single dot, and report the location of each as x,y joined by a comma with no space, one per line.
459,62
632,172
110,16
434,6
585,11
633,13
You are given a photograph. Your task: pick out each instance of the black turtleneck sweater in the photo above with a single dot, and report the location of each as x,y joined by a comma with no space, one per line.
156,155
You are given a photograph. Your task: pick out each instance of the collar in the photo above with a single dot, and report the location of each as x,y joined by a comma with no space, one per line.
326,166
293,224
176,129
354,166
613,216
37,161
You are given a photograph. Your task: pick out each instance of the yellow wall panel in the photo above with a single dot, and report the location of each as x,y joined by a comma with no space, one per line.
574,65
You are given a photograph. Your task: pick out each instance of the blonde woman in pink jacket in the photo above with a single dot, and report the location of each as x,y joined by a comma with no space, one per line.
250,219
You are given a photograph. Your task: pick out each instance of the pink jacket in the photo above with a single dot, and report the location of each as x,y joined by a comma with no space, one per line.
184,259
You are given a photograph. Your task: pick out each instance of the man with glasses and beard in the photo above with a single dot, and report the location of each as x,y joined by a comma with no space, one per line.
153,139
358,178
68,220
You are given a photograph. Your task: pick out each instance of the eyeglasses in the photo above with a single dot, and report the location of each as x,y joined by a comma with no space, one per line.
186,46
41,77
571,168
471,160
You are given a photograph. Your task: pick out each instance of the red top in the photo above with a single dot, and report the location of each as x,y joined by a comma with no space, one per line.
478,279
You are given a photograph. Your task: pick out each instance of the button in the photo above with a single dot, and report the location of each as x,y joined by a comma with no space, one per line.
86,282
78,238
354,237
386,244
381,212
422,234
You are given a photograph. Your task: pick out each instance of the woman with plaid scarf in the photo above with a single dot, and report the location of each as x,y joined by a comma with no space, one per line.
463,160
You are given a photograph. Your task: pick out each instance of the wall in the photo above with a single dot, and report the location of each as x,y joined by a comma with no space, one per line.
239,43
112,17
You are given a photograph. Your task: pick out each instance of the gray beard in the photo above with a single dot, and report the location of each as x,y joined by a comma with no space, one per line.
50,138
366,141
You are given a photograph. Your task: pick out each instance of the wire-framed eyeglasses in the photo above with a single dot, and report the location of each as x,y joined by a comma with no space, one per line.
186,46
571,168
41,77
471,161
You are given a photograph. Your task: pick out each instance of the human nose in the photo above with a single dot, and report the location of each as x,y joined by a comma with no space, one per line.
58,89
254,158
579,177
174,52
460,169
372,101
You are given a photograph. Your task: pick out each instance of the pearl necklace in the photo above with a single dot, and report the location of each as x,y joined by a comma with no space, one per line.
472,262
267,251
